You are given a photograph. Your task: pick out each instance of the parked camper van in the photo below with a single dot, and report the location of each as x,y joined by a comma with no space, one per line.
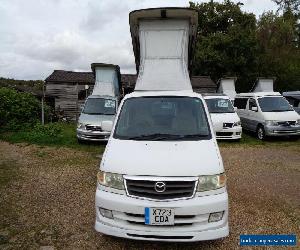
161,176
102,105
267,114
226,123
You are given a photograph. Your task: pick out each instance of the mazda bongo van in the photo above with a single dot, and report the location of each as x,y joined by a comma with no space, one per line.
161,176
267,114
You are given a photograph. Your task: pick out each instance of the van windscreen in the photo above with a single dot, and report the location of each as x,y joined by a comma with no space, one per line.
99,106
274,104
162,118
219,105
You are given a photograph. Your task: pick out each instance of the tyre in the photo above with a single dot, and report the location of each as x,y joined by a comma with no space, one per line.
260,133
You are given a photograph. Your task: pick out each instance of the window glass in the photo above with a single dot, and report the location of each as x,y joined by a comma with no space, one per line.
240,103
219,105
99,106
274,104
149,117
252,103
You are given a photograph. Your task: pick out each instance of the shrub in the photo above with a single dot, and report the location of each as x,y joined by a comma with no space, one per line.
50,130
18,110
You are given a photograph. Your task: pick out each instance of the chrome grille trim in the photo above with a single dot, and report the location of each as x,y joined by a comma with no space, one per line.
93,128
143,187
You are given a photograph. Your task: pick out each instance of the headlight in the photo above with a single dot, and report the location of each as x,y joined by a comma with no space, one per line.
110,180
211,182
237,124
272,123
81,125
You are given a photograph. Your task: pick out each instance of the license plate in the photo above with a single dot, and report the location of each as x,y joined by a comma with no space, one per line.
159,216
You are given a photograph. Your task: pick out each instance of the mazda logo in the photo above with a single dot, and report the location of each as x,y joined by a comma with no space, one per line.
160,187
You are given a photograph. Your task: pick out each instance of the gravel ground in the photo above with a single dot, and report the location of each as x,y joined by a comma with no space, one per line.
49,198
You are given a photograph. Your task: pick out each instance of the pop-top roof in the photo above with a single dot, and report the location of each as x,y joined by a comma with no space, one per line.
160,14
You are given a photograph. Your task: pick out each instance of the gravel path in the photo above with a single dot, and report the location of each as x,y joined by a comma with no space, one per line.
49,201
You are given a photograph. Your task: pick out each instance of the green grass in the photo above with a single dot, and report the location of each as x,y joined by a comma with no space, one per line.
64,137
249,139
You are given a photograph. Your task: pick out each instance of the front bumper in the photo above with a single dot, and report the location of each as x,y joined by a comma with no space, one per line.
191,217
282,130
92,135
234,133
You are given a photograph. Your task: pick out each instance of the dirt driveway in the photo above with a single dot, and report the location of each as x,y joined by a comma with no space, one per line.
47,197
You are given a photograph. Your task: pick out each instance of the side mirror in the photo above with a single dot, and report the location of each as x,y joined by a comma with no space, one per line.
254,109
107,126
235,109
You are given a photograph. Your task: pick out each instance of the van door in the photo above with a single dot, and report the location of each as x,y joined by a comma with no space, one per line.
253,118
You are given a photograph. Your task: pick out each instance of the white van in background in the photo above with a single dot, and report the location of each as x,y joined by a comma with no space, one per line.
226,122
267,114
161,176
102,105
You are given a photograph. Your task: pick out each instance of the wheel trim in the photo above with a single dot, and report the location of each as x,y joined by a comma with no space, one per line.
260,133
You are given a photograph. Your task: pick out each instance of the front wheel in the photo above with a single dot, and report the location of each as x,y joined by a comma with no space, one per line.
260,133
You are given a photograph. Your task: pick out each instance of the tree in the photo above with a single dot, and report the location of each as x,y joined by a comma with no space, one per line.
288,5
227,43
279,51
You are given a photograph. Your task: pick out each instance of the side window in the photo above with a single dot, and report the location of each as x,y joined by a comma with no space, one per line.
252,103
240,103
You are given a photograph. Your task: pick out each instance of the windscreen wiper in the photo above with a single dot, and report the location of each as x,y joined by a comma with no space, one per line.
194,136
161,137
155,137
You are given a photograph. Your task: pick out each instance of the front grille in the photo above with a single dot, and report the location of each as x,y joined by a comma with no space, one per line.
173,189
287,123
93,128
227,125
96,137
224,133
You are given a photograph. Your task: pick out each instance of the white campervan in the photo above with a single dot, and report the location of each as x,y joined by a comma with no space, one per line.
161,176
102,105
267,114
226,122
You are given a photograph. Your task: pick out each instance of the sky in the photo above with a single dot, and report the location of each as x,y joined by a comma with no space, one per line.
39,36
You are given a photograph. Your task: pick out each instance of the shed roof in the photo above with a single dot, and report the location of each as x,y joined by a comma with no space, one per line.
127,80
71,76
202,82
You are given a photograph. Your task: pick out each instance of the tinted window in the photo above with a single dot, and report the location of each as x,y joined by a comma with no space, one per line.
100,106
157,118
252,103
274,104
219,105
240,103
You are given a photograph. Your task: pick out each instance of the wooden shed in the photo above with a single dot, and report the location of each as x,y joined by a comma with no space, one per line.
69,89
